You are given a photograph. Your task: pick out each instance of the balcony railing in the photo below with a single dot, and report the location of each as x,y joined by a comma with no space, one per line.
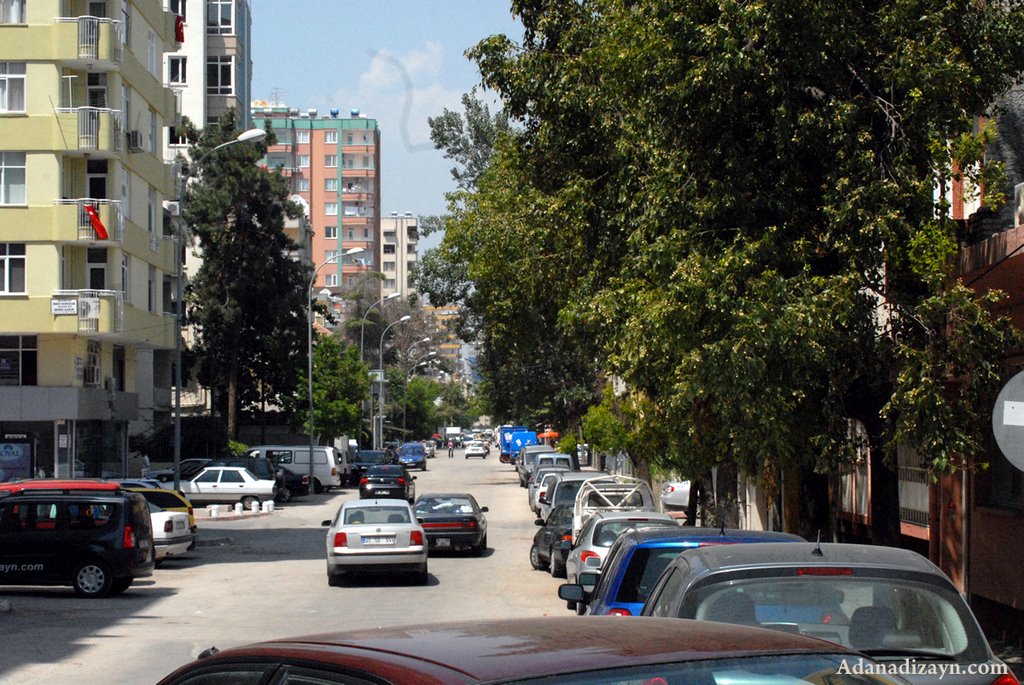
90,128
88,305
86,231
89,36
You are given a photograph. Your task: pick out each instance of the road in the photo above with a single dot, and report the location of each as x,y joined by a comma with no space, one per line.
264,577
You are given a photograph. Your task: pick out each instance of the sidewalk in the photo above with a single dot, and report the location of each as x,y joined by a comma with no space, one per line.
226,513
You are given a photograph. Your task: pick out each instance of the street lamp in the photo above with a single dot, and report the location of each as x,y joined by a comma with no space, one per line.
253,135
309,352
378,431
362,324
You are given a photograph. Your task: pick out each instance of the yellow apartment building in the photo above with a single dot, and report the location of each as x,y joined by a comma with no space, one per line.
87,260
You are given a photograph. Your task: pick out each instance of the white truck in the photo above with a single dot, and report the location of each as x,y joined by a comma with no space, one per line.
610,493
453,433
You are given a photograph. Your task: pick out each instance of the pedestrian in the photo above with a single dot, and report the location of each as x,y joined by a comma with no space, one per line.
145,466
451,449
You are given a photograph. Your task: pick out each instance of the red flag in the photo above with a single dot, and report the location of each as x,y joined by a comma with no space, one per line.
97,224
179,29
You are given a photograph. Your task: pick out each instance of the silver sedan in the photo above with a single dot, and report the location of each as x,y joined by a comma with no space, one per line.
599,532
375,536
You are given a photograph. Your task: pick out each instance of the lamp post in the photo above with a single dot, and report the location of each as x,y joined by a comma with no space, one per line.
309,353
378,431
253,135
362,356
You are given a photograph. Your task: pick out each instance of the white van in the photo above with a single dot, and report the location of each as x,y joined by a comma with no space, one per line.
330,466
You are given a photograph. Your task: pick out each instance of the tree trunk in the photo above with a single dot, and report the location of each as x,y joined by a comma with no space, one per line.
885,492
232,411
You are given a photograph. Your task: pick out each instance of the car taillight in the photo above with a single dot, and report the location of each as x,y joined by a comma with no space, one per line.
619,612
168,526
1007,678
567,537
588,554
191,511
340,540
334,471
416,538
128,542
364,480
401,481
305,480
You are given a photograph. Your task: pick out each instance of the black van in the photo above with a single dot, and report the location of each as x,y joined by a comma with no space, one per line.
91,535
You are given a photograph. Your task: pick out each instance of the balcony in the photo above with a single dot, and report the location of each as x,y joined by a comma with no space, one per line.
90,311
108,211
99,39
92,131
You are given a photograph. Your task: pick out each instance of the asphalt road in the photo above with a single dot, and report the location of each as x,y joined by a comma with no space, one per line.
264,577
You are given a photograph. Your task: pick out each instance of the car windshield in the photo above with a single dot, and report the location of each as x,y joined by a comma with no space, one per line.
607,531
372,515
812,669
444,505
877,616
566,491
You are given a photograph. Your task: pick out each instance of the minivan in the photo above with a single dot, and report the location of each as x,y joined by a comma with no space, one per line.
330,466
92,535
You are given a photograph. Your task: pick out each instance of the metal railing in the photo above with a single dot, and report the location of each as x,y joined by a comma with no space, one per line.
89,35
89,308
86,232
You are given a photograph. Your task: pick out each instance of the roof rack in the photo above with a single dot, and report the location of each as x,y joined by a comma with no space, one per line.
61,486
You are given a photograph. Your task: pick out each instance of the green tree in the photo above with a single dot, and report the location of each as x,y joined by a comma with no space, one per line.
341,384
741,201
247,299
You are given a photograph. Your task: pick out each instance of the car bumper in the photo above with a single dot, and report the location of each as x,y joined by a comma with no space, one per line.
443,540
377,561
174,546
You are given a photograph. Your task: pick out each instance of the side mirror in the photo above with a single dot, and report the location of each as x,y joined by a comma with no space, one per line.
539,522
484,509
543,499
571,592
588,581
326,524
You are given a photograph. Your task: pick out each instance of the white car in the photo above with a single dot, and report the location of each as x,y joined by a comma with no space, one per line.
475,448
599,532
675,494
172,534
228,484
374,536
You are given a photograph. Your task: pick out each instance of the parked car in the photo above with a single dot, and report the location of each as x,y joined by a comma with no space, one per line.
453,521
228,484
564,490
557,459
189,468
413,455
172,535
292,485
330,466
364,459
590,547
531,651
539,484
92,535
526,460
889,603
547,551
637,558
171,500
610,493
390,481
379,535
475,448
675,494
261,467
151,483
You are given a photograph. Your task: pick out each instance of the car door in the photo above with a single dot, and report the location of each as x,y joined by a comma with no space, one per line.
29,550
205,486
233,484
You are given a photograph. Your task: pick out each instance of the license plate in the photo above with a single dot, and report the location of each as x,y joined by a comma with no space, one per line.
444,542
378,539
382,492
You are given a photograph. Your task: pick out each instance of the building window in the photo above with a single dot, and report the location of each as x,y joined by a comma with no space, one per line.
12,268
218,75
97,85
154,135
18,359
178,69
389,266
331,208
366,233
302,137
330,255
12,86
330,137
331,161
331,280
331,185
97,261
12,178
12,12
179,7
303,185
219,16
389,249
152,54
175,138
304,161
331,232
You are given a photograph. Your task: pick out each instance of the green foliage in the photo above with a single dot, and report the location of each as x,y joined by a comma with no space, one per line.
341,383
236,449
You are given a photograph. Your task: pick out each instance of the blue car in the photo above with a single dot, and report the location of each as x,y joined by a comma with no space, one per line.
413,455
636,560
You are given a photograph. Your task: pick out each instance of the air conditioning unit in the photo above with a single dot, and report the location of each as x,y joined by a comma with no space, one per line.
173,208
134,141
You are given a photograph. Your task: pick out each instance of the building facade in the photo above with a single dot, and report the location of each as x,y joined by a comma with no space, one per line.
399,245
87,262
333,164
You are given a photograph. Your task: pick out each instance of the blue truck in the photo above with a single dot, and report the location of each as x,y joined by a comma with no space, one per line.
511,439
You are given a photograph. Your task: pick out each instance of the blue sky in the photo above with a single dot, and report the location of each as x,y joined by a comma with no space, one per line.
398,61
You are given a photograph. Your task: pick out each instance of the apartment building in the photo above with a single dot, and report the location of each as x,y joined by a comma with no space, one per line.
86,264
333,164
399,245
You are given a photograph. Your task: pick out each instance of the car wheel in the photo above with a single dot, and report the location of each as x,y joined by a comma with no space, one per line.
120,585
535,560
284,495
335,580
317,487
248,500
479,549
422,576
554,567
92,579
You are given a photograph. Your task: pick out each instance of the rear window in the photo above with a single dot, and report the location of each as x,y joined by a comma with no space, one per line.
387,470
164,500
381,514
566,491
280,456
